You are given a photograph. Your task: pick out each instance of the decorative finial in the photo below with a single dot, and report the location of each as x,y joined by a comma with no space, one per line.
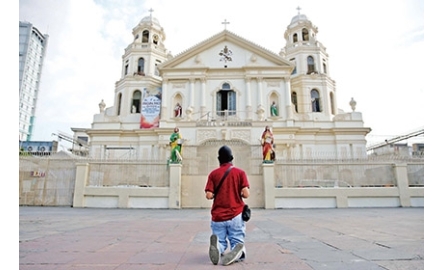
151,12
225,23
299,10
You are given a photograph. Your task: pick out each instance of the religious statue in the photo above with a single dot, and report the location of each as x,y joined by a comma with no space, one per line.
178,110
102,106
267,142
176,146
274,109
352,104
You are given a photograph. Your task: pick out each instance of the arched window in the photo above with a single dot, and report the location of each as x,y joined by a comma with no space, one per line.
119,102
136,102
294,100
324,67
315,101
140,66
310,65
295,37
226,100
145,36
305,34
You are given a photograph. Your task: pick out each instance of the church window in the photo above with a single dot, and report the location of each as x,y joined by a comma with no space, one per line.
140,66
310,65
304,34
315,101
119,101
226,100
324,67
136,101
294,100
332,104
295,37
126,69
145,36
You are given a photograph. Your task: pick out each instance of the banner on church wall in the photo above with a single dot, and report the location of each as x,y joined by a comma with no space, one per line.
151,105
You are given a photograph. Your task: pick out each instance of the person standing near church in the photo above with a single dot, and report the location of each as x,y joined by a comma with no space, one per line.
267,141
228,227
176,146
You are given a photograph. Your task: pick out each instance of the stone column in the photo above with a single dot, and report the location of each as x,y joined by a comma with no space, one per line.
164,110
203,95
82,170
402,184
288,98
248,99
268,174
260,91
192,83
174,199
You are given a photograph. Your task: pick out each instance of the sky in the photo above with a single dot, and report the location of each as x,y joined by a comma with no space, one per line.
375,51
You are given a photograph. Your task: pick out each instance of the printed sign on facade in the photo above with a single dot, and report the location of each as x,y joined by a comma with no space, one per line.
151,105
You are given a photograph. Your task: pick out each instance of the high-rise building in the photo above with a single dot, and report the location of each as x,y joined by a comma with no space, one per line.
32,48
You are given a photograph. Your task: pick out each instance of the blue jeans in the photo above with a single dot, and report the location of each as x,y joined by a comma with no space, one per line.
229,232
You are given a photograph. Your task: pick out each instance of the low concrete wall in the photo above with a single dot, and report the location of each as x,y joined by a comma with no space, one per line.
86,183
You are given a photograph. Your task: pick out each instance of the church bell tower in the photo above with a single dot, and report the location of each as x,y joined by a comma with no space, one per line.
313,91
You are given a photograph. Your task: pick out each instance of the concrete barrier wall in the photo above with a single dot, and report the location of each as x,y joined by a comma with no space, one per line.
69,182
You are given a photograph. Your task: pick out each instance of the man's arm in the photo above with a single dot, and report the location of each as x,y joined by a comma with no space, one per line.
245,193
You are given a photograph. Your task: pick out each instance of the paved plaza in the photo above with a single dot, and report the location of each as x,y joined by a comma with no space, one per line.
303,239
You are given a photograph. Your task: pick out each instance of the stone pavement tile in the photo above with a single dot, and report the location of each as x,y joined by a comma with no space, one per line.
47,257
155,257
378,253
355,265
262,254
402,265
102,258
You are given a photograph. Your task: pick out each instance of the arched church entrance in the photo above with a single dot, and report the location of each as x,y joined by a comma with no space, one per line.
195,169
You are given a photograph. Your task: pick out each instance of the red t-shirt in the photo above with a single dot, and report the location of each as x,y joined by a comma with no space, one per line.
228,202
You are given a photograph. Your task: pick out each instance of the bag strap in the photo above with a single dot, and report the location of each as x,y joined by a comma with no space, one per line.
221,181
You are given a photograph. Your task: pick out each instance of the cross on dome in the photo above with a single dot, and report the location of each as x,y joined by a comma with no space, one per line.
299,10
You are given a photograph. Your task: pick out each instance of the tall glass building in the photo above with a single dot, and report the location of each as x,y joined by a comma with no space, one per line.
32,48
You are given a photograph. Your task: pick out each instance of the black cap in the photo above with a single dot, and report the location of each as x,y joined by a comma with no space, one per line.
225,154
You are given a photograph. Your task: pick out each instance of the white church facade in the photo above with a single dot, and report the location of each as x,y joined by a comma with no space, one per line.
229,89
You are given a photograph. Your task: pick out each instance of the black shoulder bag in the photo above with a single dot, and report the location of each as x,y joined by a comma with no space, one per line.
246,212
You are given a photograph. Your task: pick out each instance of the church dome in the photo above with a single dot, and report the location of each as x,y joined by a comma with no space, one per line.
299,17
149,19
